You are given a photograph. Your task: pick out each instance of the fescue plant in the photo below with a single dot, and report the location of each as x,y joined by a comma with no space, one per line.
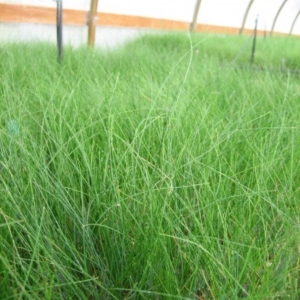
159,170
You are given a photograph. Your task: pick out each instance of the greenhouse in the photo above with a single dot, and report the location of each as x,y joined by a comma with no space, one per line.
149,149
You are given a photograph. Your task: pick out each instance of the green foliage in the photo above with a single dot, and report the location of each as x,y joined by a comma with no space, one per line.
160,170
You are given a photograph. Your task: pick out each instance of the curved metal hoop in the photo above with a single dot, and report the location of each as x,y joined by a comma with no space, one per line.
294,22
195,16
245,16
277,15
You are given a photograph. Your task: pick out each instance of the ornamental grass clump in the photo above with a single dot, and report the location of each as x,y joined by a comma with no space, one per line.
159,170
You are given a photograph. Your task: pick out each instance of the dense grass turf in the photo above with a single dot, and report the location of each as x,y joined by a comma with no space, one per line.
160,170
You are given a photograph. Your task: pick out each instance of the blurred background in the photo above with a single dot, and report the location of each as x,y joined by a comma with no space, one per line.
119,20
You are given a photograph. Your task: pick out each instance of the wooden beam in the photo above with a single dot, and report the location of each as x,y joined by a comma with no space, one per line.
92,20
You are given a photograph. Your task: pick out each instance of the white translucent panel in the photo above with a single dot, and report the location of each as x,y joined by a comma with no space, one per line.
287,16
222,13
181,10
46,3
107,37
265,11
71,4
164,9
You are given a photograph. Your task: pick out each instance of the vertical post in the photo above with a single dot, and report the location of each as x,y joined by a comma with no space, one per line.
196,11
254,41
245,16
59,25
92,17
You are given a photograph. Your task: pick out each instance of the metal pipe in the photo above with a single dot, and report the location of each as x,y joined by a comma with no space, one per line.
195,17
294,22
277,15
245,16
254,41
59,27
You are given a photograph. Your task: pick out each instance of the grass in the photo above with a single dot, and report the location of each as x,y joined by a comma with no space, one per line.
160,170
